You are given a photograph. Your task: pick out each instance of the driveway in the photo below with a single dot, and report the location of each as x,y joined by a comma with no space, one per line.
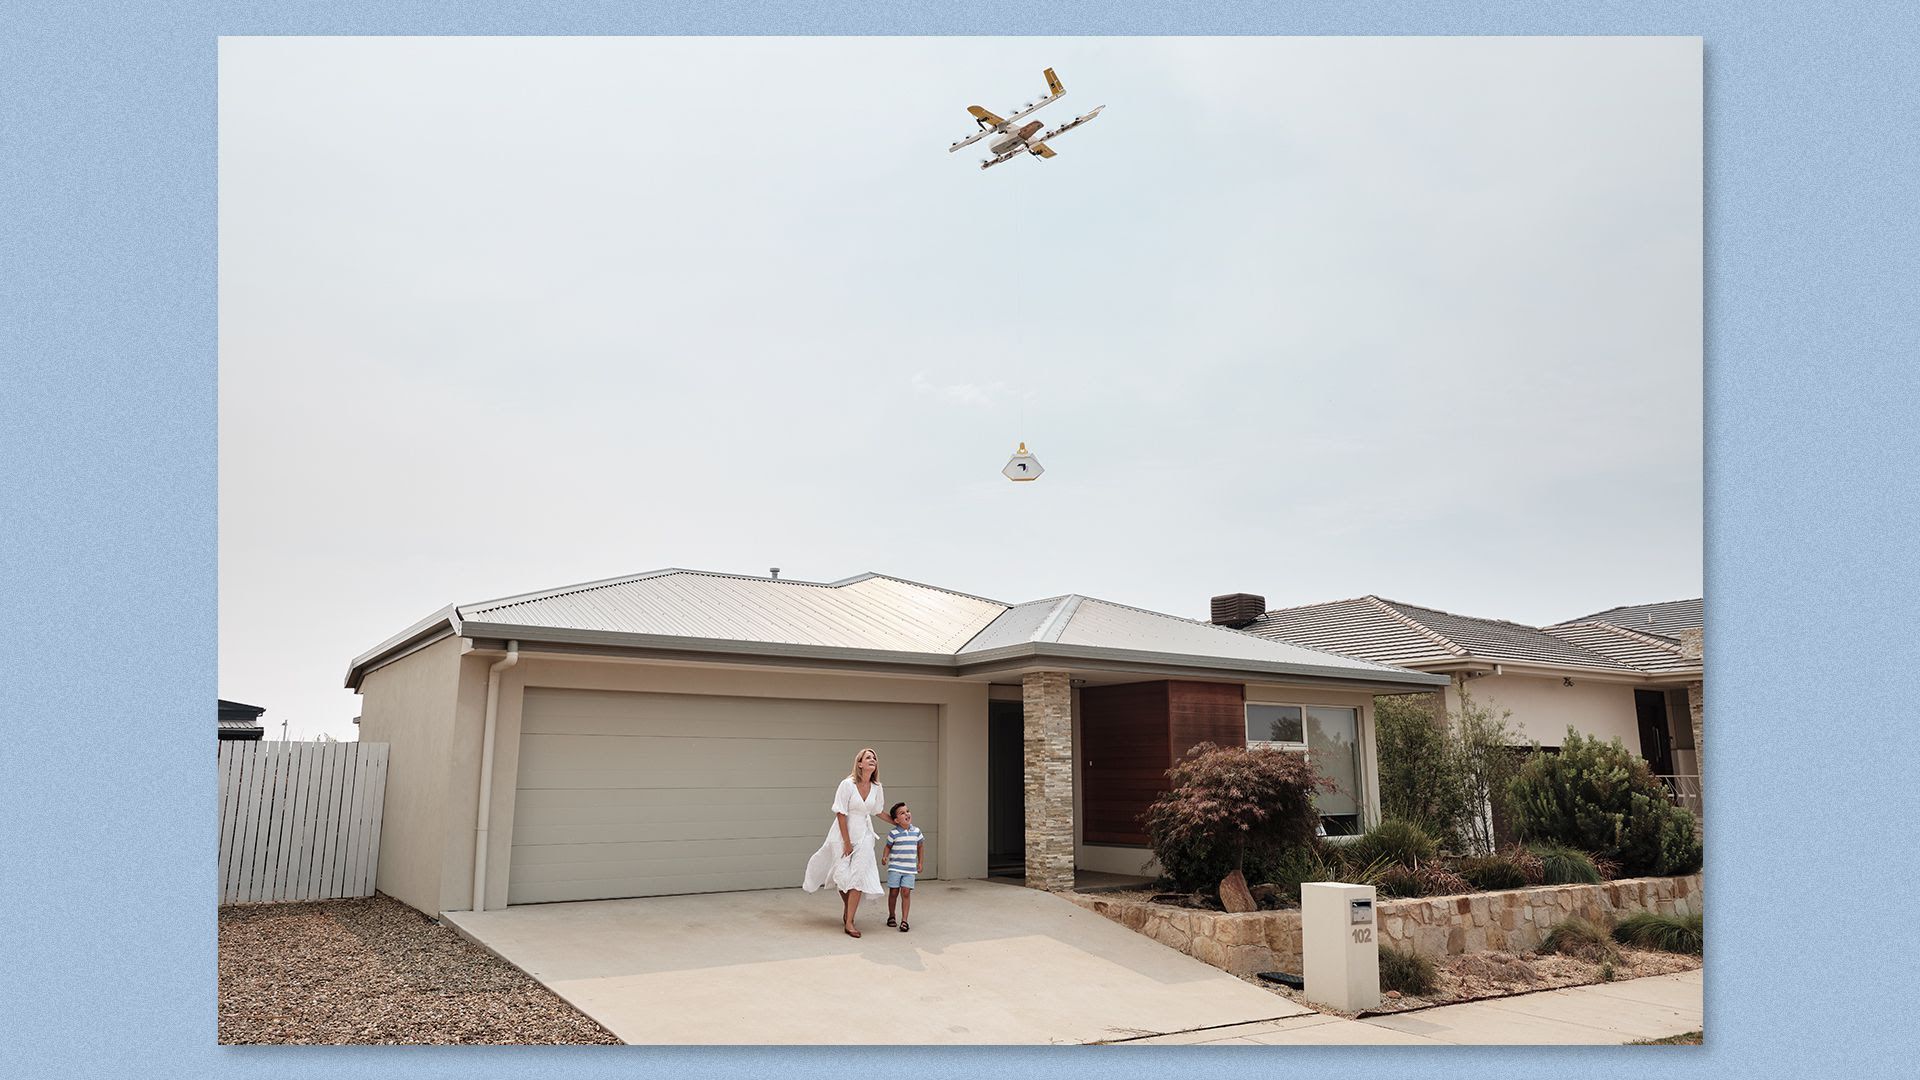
985,963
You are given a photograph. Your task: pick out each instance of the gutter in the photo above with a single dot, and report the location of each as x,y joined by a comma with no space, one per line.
486,776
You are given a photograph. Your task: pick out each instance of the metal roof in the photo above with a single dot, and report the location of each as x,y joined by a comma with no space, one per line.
871,618
1392,632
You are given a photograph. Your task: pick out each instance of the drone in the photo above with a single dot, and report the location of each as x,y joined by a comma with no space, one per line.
1028,137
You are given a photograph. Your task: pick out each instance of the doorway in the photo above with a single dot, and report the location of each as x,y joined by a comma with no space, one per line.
1006,789
1656,744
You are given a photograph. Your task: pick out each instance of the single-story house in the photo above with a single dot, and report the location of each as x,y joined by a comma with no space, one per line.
240,722
682,731
1631,673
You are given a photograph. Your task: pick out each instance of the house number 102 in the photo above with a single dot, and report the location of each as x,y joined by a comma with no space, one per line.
1362,935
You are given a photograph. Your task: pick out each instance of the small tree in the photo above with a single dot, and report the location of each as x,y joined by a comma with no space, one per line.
1446,774
1599,797
1229,806
1421,772
1487,765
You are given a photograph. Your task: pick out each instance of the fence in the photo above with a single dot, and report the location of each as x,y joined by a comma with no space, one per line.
1685,793
299,821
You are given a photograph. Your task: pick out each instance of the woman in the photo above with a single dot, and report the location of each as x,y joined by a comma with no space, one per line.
846,858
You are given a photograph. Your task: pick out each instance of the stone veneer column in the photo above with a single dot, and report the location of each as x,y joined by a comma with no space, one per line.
1049,771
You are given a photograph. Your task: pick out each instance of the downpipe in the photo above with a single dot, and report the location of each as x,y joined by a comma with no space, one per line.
486,776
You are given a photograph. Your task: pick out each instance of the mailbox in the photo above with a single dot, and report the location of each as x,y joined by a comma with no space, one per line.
1339,949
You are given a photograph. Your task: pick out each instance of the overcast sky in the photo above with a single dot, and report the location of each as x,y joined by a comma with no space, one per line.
1312,318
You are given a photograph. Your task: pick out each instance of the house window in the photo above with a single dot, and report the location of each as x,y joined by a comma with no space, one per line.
1331,738
1277,726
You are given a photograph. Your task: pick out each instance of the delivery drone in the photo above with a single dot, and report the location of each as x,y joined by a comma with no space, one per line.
1028,137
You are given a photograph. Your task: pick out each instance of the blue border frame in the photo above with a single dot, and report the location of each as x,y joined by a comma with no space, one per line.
107,581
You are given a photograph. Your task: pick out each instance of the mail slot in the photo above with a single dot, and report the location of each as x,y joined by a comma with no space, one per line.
1362,913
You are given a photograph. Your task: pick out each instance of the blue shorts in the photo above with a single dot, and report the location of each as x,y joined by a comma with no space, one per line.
897,879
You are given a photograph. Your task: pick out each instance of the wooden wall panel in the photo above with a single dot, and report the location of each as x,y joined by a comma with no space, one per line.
1206,712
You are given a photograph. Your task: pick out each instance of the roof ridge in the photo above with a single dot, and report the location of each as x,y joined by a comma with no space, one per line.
1303,607
1659,641
857,578
1211,625
1596,616
1392,611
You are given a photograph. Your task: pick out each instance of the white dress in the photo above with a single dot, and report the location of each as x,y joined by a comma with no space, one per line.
859,870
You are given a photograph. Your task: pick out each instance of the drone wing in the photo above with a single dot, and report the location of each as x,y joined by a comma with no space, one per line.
1008,156
1043,149
1066,127
990,124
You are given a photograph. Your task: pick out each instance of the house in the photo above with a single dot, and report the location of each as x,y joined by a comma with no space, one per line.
239,721
1631,673
681,731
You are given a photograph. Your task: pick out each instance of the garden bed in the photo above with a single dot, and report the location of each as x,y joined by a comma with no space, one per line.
1482,975
1433,926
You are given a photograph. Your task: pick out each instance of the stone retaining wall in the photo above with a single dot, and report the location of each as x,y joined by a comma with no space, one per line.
1437,926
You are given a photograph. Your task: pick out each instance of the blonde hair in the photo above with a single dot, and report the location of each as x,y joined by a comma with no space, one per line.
855,774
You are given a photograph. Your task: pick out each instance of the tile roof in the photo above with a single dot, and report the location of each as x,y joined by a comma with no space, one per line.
1375,628
1666,619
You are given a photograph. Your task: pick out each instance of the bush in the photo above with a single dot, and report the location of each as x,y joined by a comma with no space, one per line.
1580,938
1321,861
1441,772
1401,842
1515,868
1230,807
1561,865
1408,972
1598,797
1430,879
1668,933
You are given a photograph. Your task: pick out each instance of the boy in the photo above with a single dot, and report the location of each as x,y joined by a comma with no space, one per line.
903,861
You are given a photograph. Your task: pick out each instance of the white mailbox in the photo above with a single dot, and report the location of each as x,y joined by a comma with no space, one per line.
1339,946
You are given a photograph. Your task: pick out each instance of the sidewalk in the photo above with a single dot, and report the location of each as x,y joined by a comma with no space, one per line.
1605,1013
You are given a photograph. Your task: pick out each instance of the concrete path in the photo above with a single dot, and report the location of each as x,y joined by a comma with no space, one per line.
985,963
1605,1013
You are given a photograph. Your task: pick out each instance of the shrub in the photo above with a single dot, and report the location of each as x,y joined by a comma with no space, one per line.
1437,880
1515,868
1598,797
1668,933
1228,807
1561,865
1408,972
1401,842
1321,861
1580,938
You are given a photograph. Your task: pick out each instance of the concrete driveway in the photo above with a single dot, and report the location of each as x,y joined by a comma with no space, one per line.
985,963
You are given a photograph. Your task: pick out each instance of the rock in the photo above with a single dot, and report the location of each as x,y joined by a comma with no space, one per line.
1394,994
1234,894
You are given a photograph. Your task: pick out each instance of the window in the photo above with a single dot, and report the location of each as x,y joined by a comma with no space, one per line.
1275,725
1333,745
1330,735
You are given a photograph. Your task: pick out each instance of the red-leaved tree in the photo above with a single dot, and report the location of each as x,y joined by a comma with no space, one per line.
1231,808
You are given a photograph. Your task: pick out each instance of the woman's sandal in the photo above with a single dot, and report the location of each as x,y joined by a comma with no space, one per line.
890,920
849,931
903,928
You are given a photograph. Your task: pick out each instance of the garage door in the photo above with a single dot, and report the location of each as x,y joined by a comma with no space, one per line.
623,794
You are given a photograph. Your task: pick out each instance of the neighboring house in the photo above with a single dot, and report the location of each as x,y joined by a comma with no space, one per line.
240,722
1631,673
681,731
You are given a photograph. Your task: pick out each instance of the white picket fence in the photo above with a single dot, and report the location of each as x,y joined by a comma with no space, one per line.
298,820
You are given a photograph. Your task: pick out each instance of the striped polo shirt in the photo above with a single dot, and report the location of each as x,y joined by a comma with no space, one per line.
906,849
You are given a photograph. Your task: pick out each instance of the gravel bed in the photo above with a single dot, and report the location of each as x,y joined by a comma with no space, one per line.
1481,975
376,971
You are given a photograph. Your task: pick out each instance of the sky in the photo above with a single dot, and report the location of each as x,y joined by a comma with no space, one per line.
1305,317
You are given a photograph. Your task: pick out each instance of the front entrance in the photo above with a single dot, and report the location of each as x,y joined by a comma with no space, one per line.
1656,744
1006,789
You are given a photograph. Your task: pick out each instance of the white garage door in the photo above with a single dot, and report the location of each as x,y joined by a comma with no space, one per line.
624,794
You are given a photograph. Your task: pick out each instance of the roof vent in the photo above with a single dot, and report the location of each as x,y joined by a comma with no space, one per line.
774,571
1238,609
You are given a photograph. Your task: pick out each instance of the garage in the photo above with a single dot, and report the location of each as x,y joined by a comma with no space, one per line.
622,794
